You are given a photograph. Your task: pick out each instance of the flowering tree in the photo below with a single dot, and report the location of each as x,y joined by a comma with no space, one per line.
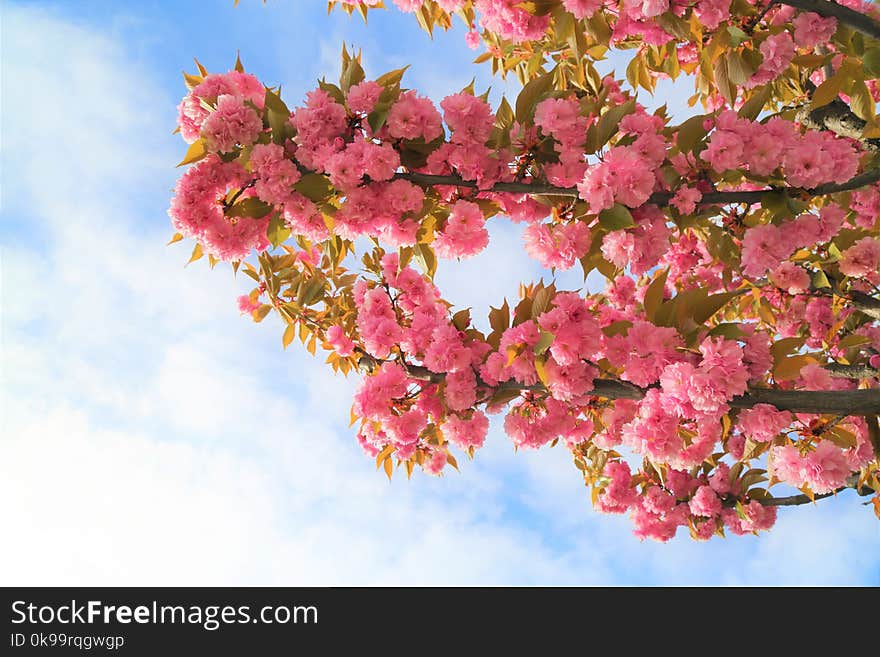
736,343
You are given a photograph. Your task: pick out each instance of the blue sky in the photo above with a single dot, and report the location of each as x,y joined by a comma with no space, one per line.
151,435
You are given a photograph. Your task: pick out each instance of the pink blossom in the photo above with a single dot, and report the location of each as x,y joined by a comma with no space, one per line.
810,29
826,468
340,342
413,116
686,199
363,96
777,50
705,503
763,422
791,278
862,259
247,305
510,21
712,12
557,246
231,123
623,177
582,8
466,433
764,247
464,234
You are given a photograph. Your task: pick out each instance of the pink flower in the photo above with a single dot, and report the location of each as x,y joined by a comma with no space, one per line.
276,175
466,433
763,422
712,12
725,151
778,51
472,39
582,8
791,278
340,342
705,503
231,123
810,29
557,246
469,117
862,259
826,468
461,390
686,199
247,305
509,20
196,213
764,247
464,234
192,113
624,177
436,461
362,97
413,116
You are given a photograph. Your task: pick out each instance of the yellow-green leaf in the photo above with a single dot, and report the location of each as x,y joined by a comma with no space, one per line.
194,153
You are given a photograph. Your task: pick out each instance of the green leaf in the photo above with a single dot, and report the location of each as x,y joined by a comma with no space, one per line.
289,334
311,292
530,95
499,318
334,91
703,309
277,114
790,367
820,280
739,70
871,62
616,217
690,132
424,255
392,78
314,187
737,36
725,85
461,319
352,74
277,232
249,207
753,106
654,295
544,342
195,153
827,91
609,122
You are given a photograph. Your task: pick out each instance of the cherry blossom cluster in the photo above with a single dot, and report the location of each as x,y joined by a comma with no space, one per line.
640,372
512,20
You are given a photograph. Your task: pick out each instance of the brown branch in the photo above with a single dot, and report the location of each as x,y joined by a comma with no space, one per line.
836,402
852,482
659,198
838,118
854,19
841,371
864,303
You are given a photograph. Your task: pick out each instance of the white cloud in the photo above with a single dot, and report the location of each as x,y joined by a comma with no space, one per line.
152,436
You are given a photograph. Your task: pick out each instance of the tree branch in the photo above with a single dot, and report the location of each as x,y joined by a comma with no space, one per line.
659,198
841,371
854,19
864,303
837,402
838,118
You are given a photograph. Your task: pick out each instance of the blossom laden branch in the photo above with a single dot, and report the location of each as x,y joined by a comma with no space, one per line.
658,198
858,21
